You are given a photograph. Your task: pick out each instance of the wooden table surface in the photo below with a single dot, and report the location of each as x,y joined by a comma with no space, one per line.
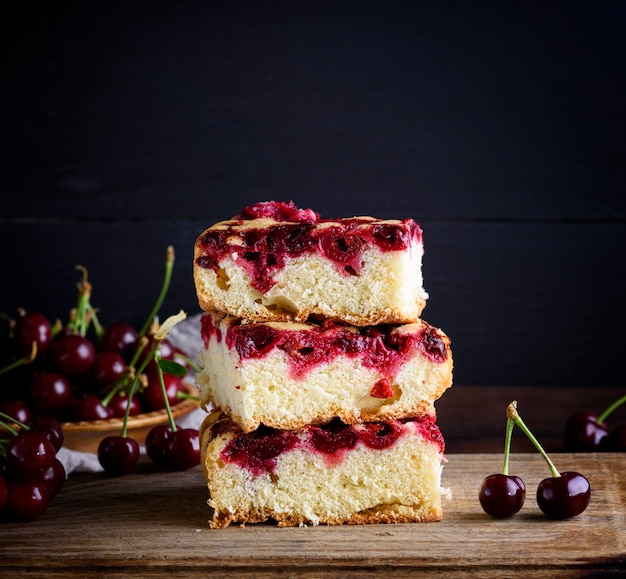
155,524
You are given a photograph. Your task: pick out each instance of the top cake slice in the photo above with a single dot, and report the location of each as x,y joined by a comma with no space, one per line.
275,262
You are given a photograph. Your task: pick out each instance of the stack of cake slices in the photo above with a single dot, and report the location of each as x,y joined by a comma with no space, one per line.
318,374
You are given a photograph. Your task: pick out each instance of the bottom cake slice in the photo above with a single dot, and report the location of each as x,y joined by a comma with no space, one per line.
378,472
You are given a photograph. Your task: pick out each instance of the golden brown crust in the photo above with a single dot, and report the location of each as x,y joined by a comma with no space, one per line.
377,515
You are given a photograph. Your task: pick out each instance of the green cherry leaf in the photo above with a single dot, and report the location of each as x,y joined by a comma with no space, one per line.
171,367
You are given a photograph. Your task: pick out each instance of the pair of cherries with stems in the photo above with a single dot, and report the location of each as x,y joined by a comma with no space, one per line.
560,496
167,445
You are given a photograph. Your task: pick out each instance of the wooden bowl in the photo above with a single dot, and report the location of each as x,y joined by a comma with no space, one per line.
86,436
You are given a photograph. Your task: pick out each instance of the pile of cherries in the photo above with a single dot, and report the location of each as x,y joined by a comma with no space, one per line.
561,496
84,371
31,475
587,432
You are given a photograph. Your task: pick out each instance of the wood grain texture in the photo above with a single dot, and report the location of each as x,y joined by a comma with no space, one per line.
152,524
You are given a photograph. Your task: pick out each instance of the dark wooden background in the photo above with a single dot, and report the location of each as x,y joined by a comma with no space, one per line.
499,126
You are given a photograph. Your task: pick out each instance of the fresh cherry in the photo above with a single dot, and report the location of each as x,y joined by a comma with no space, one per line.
16,409
118,455
27,500
107,368
156,441
72,354
28,455
49,427
30,328
119,403
502,495
54,477
182,450
564,496
49,393
89,407
119,337
152,395
584,433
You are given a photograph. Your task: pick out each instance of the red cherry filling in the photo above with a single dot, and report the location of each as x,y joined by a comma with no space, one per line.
379,435
263,251
279,211
383,348
258,451
382,389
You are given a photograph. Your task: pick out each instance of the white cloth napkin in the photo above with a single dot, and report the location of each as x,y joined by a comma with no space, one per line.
186,336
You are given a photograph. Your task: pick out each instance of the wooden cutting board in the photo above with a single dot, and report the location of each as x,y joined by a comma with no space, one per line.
155,524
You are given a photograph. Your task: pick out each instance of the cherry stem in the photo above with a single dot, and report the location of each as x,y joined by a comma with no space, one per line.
169,265
510,425
168,408
611,408
28,359
11,421
159,336
512,414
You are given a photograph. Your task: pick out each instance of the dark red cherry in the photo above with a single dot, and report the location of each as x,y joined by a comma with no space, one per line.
502,495
118,337
119,403
564,496
32,327
16,409
89,407
54,477
583,433
156,441
49,393
28,455
107,368
49,427
118,455
72,355
152,395
27,500
182,450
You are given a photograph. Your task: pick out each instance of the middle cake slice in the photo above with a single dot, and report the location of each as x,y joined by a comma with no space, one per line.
288,375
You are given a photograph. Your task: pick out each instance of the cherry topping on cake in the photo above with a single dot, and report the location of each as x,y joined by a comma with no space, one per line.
333,438
279,211
262,251
379,435
382,389
383,348
258,451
